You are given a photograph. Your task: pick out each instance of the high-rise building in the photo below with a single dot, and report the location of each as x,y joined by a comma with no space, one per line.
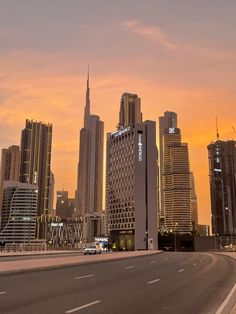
222,174
131,185
10,164
65,205
90,167
194,204
175,171
19,210
166,123
51,210
130,110
35,162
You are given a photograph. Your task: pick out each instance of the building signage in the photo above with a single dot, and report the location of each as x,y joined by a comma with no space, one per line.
35,177
171,130
56,224
140,148
120,132
101,239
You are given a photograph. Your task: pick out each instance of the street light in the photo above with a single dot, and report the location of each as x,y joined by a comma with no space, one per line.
176,224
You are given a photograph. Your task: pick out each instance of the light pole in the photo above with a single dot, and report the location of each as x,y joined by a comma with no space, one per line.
176,224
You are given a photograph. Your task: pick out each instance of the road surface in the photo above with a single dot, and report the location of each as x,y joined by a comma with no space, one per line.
170,282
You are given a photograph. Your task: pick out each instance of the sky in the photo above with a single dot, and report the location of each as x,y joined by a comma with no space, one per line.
176,55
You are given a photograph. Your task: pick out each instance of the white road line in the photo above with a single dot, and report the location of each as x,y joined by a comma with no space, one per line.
226,301
180,271
86,276
152,262
3,292
194,264
129,267
153,281
83,306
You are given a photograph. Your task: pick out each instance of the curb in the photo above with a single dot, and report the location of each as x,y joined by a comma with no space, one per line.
51,267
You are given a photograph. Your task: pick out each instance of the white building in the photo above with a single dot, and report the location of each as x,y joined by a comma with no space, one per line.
19,210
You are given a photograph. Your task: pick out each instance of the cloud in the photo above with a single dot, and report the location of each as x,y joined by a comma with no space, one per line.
151,32
157,35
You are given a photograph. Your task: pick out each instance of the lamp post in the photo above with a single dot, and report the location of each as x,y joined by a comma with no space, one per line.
176,224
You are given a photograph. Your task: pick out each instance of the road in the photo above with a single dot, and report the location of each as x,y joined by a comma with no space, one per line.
170,282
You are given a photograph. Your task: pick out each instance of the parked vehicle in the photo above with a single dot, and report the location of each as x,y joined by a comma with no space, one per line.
92,249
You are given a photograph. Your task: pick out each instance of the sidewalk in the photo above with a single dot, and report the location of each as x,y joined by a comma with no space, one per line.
229,305
22,266
25,253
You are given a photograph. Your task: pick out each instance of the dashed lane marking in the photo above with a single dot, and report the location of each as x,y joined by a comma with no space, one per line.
85,276
82,307
153,281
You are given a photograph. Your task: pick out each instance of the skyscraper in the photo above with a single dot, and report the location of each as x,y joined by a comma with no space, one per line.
35,162
194,204
222,174
131,184
175,172
168,121
19,212
51,210
90,167
10,164
130,110
65,205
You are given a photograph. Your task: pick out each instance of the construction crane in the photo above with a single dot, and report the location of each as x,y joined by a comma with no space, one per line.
234,130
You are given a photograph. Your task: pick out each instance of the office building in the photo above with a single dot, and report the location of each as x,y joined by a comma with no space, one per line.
175,183
65,205
166,123
51,210
19,210
90,166
222,174
93,226
35,163
130,110
131,185
194,204
10,163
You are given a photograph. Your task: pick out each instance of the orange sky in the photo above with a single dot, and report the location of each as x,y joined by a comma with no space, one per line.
177,58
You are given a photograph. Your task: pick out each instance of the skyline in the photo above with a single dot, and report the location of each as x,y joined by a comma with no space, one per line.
185,65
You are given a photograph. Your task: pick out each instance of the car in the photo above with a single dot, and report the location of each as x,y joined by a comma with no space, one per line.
92,249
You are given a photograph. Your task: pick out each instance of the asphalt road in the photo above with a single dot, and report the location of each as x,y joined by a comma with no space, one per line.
163,283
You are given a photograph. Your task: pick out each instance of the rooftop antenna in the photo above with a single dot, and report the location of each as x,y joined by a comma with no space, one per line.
217,130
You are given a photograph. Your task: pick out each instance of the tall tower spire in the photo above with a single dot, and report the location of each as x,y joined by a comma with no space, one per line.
217,130
87,102
87,106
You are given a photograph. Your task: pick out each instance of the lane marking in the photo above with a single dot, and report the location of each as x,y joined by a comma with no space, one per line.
83,306
86,276
129,267
3,292
152,262
226,301
153,281
180,271
194,264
